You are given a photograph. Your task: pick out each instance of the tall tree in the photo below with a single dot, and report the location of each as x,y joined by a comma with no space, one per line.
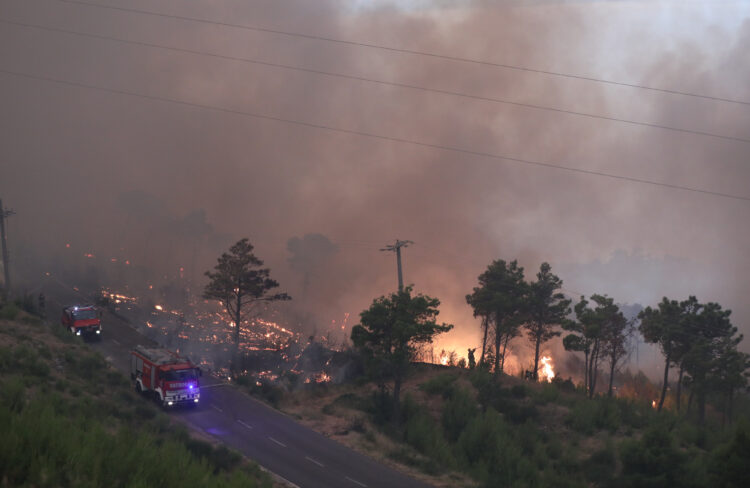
546,309
587,335
240,282
664,326
500,300
390,333
615,341
712,337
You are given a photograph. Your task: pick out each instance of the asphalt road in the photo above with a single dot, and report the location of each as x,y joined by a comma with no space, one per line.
297,454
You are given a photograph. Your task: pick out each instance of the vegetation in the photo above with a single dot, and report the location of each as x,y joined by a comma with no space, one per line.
240,282
601,333
500,431
500,301
61,428
547,309
390,331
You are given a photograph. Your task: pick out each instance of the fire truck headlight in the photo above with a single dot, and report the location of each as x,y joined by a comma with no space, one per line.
196,400
78,332
170,403
98,331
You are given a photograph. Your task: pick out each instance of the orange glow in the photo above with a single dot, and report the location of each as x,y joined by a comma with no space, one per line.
546,372
444,358
159,307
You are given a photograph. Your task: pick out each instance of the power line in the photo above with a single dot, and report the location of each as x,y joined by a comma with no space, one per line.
407,51
375,136
374,81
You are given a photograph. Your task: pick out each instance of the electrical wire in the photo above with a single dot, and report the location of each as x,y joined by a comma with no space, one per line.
407,51
369,135
375,81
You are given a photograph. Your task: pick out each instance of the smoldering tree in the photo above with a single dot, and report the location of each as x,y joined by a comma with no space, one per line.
240,282
546,309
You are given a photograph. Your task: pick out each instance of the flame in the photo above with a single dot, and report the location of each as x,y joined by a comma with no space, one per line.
444,358
546,371
653,403
158,307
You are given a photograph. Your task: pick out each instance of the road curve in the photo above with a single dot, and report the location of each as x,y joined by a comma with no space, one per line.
297,454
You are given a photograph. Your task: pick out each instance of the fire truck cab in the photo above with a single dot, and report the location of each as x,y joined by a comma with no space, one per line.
164,375
82,320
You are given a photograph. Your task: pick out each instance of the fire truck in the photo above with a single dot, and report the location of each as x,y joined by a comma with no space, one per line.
165,376
82,320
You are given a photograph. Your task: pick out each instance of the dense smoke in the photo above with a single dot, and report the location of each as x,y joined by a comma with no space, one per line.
168,187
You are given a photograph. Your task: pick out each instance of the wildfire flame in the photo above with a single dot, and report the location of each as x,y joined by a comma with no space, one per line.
546,371
444,359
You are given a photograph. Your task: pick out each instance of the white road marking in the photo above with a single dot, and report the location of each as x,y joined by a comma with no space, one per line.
217,408
277,442
116,342
355,481
244,424
315,462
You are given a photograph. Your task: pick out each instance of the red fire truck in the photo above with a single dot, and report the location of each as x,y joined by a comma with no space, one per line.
164,375
82,320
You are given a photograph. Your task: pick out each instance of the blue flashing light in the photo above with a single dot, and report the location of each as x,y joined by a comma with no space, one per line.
190,386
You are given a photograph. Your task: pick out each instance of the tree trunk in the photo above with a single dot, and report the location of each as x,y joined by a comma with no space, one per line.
505,347
701,407
690,401
536,357
397,400
498,340
485,326
593,369
679,386
664,386
612,364
586,371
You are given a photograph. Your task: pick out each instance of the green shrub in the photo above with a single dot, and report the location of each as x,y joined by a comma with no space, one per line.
589,415
9,311
656,461
440,385
548,393
458,410
728,464
600,466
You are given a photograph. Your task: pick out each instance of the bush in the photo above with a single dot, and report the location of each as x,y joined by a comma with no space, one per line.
728,463
548,393
591,414
457,412
655,461
600,466
9,311
440,385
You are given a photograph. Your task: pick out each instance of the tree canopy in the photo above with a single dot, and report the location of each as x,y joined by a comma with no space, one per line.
239,281
390,332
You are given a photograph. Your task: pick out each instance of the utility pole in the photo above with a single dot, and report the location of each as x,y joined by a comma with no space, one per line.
4,214
397,249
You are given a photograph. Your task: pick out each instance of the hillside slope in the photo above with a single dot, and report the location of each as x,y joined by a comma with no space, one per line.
69,419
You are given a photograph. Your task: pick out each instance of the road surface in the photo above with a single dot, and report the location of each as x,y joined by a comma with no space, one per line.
293,452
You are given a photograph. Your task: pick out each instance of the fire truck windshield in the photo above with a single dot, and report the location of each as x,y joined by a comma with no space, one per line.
84,314
179,375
